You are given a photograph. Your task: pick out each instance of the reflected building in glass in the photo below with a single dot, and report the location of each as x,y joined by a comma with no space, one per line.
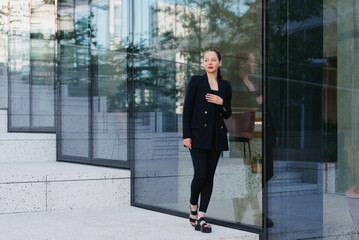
109,78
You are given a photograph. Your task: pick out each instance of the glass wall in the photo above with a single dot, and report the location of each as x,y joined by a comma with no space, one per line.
28,76
3,71
110,106
123,67
4,9
312,98
31,84
119,69
74,103
93,93
169,39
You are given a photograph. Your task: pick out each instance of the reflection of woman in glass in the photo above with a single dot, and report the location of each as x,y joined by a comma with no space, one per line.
207,103
250,93
251,99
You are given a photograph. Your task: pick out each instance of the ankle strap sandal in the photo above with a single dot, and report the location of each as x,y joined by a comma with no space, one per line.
205,228
193,220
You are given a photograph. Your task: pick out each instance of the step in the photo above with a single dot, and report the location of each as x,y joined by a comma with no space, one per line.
25,147
286,181
292,189
285,177
45,186
3,84
288,175
3,121
117,223
293,193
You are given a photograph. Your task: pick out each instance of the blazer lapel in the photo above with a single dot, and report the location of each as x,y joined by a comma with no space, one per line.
206,85
221,84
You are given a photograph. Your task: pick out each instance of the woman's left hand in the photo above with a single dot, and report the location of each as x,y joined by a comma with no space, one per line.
212,98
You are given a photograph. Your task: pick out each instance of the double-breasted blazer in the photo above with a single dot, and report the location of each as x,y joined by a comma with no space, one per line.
199,115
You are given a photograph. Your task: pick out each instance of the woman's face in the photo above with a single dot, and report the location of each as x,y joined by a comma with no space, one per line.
211,62
249,65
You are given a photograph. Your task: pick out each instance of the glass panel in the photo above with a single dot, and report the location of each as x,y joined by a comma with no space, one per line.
42,84
162,164
43,19
4,16
109,29
19,63
65,21
19,80
75,101
3,71
103,25
4,13
170,37
19,17
313,97
341,119
294,117
74,19
31,73
109,24
43,26
110,106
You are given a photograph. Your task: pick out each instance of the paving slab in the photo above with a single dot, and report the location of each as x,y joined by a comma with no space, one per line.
57,172
120,223
45,186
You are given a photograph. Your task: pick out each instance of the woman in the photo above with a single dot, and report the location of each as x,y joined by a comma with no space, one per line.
207,103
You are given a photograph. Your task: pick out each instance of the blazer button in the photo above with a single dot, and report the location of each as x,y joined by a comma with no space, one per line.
205,112
221,127
205,125
220,114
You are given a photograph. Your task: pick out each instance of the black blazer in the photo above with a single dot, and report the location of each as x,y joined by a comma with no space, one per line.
247,99
198,114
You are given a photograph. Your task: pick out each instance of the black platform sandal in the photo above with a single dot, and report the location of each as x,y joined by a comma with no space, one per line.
193,220
205,228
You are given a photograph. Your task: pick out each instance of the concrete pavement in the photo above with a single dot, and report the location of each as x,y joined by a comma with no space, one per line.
119,223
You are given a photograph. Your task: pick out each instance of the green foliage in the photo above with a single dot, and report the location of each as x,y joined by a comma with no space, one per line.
83,33
258,158
217,24
51,2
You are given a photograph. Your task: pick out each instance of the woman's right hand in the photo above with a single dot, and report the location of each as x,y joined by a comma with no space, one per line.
188,142
259,100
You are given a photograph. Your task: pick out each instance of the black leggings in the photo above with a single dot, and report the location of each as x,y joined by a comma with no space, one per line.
204,164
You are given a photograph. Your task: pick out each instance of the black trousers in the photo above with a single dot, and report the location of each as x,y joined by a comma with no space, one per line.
204,165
